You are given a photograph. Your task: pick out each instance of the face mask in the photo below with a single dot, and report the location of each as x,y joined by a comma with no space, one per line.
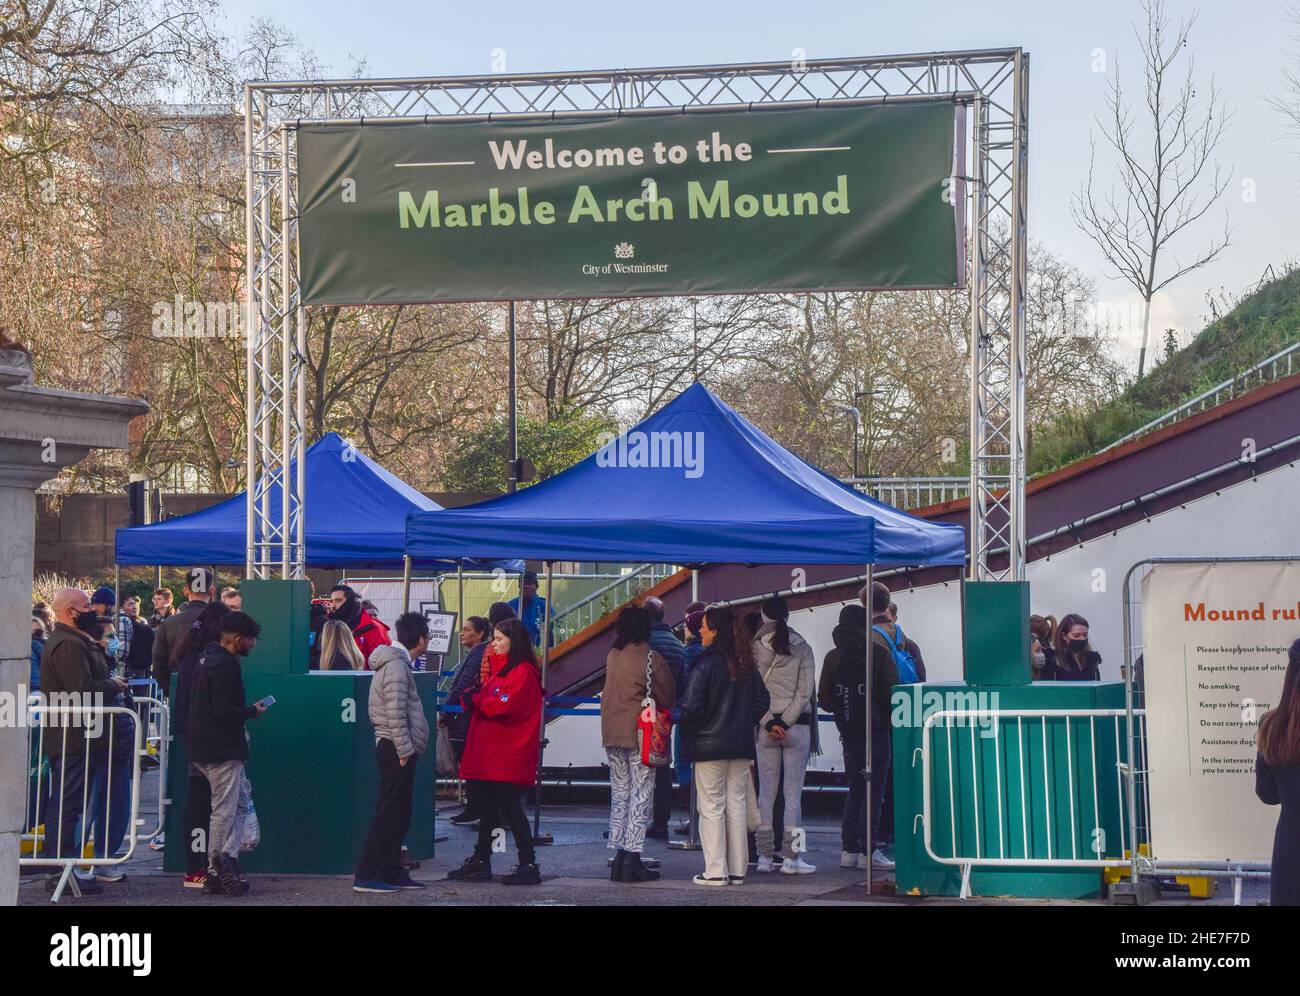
88,622
1078,646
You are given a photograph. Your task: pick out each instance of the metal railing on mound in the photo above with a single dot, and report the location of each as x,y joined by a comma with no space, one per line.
1281,364
912,492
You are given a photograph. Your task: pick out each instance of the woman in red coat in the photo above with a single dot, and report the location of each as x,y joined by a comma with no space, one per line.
501,750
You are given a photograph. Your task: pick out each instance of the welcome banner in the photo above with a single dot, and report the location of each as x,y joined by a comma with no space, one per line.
702,203
1215,639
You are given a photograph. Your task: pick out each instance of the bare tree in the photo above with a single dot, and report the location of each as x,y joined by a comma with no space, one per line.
1287,103
88,64
1166,178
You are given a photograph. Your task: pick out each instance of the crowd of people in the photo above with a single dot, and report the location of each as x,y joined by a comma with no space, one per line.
741,686
83,651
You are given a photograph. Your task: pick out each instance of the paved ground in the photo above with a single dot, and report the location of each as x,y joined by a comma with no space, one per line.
574,872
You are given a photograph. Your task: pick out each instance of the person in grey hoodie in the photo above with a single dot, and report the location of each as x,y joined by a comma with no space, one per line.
784,661
401,736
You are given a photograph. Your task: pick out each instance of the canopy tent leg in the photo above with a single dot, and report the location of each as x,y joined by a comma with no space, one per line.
538,836
460,606
869,838
406,583
691,843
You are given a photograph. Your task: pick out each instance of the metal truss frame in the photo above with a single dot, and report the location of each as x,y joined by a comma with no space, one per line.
993,83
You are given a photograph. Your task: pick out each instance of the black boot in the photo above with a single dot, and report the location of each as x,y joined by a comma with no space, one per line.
635,871
473,869
616,867
524,874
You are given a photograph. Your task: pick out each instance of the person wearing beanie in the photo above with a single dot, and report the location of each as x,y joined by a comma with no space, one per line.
104,600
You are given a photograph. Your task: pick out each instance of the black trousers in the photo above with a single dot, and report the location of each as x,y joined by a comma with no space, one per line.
663,799
471,806
198,812
499,805
67,782
381,857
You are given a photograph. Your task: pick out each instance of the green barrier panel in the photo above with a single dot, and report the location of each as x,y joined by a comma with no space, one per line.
995,632
1024,769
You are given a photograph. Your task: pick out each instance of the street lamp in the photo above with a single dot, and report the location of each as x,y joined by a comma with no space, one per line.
857,419
856,414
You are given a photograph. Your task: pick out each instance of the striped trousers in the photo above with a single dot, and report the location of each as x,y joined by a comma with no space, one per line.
631,795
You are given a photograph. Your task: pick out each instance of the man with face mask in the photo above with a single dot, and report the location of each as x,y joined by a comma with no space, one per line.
73,669
219,745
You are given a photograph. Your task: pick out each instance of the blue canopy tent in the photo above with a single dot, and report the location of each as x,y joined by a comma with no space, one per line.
693,483
355,518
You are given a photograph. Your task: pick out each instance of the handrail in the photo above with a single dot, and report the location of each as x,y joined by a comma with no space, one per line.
914,492
1214,395
562,622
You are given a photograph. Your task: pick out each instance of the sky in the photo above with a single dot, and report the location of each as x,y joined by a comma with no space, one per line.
1245,46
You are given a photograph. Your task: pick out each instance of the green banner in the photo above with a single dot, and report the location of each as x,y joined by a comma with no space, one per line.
730,202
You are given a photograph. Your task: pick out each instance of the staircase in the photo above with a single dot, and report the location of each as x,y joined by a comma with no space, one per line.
607,599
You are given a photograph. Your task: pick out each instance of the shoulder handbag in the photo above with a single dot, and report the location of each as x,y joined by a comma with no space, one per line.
654,728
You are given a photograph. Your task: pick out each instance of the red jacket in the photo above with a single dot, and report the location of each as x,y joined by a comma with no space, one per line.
370,633
504,726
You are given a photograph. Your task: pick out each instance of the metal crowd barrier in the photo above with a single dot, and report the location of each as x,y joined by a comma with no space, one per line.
104,765
1035,826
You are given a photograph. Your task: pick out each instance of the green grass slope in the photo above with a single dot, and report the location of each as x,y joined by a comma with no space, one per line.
1261,324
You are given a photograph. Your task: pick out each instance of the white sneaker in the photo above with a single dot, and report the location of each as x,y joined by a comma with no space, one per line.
848,859
797,866
880,862
765,864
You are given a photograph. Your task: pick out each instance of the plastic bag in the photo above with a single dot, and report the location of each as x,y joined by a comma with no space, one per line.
252,828
443,754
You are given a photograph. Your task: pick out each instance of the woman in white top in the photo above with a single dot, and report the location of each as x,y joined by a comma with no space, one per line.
784,661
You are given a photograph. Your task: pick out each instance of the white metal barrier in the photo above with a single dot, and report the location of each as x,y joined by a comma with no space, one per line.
56,835
1030,797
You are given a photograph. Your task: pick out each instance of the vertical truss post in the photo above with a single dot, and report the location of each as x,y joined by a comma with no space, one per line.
998,354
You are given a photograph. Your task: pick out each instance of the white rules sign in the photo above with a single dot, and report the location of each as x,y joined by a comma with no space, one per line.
1215,639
